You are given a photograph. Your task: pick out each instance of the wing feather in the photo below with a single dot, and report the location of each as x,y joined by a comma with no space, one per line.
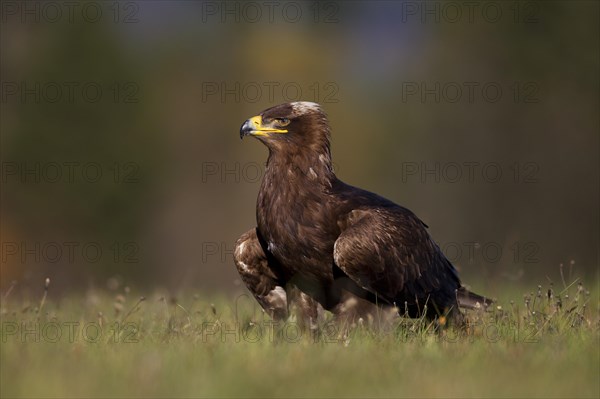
388,252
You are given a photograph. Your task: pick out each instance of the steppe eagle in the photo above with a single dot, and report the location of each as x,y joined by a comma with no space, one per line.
321,243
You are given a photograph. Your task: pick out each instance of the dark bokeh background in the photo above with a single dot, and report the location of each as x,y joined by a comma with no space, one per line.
119,131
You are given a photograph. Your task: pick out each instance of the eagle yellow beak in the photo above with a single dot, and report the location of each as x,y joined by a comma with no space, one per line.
254,126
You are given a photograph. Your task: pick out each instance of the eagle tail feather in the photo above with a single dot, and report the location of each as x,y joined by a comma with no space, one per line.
470,300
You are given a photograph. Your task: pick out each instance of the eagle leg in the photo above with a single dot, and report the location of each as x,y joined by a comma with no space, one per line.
309,314
259,275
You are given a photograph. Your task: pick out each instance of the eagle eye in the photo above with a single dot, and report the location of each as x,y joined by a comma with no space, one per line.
282,121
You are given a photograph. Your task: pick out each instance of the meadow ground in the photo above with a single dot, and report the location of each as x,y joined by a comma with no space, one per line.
118,344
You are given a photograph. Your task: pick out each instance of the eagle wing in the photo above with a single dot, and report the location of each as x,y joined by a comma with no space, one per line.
388,252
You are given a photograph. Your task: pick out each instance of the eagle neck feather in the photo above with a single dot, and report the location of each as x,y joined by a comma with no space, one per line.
303,168
293,183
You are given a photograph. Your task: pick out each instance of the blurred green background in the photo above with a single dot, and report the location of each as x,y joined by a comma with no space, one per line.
121,158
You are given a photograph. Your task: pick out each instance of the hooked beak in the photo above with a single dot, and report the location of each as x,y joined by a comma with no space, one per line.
254,127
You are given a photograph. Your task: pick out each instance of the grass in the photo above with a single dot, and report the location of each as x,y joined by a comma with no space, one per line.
118,344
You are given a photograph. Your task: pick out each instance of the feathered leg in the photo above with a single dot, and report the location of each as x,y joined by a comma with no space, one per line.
278,298
259,276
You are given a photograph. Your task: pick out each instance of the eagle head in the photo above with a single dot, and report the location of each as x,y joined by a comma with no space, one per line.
296,127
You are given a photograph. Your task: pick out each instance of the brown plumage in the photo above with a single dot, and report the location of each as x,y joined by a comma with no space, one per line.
320,243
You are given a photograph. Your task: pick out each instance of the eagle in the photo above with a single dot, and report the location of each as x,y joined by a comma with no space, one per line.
321,244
